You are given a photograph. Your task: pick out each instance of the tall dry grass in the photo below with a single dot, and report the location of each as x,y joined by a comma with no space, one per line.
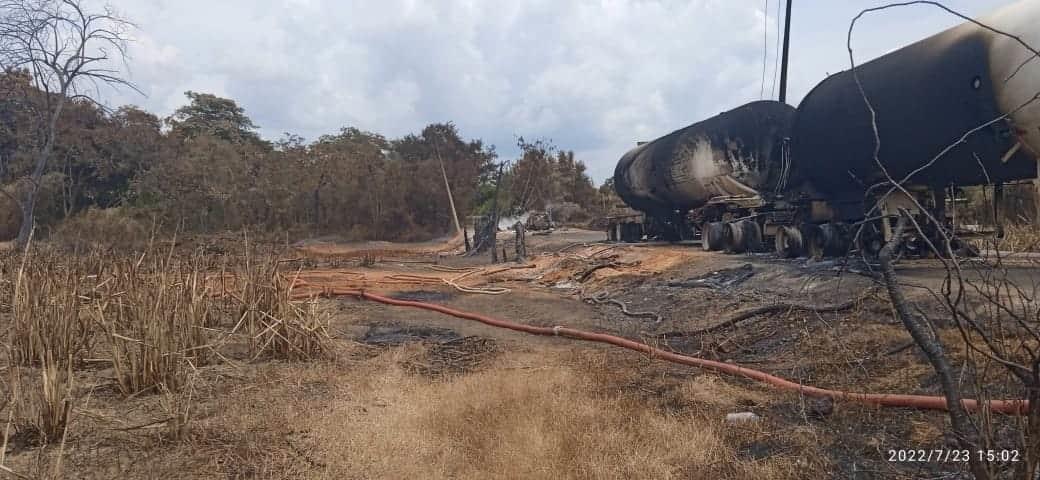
46,320
274,324
47,334
155,319
155,313
41,400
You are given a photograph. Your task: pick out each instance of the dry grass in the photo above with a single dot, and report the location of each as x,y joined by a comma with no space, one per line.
45,311
155,315
561,420
546,413
274,325
154,320
1020,238
41,400
516,424
48,333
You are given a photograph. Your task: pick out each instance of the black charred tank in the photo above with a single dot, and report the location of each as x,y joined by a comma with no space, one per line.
734,154
927,96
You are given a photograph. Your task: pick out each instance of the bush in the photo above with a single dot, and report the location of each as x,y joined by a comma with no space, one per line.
569,213
10,219
113,229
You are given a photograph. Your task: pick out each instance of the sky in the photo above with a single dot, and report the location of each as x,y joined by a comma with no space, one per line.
592,76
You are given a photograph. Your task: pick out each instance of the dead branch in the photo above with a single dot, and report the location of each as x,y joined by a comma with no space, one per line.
767,309
926,338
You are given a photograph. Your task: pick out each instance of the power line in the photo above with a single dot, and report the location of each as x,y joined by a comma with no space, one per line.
765,49
776,55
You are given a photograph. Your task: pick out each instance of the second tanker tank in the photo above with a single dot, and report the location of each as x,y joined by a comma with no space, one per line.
739,153
926,96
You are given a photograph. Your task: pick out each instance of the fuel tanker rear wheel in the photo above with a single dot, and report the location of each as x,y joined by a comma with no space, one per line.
788,242
714,236
870,240
746,236
631,232
828,240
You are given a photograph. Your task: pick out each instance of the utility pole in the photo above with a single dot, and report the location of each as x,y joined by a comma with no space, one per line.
787,48
451,199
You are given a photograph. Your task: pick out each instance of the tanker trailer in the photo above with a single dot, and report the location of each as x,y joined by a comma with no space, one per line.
951,110
967,87
722,165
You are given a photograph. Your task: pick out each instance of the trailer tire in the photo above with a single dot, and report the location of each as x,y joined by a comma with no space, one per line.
713,236
828,240
746,236
870,240
631,232
789,242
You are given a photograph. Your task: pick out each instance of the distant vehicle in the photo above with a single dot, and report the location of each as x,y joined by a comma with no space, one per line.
539,221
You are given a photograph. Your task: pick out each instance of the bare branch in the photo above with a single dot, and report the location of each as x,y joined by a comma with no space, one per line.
932,347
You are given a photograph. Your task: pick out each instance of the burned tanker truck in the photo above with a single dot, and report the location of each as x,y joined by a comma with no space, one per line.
952,110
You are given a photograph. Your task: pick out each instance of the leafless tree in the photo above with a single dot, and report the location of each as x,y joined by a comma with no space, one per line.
70,53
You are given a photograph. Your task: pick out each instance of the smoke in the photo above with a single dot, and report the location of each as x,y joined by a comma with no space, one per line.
506,223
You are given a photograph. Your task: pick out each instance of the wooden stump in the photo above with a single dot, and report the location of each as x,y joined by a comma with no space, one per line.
521,242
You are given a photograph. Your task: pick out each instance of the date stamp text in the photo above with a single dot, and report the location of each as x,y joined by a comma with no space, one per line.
941,455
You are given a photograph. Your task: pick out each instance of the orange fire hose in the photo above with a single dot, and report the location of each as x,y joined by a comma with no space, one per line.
1011,407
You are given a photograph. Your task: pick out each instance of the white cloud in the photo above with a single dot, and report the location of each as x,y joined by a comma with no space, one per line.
595,76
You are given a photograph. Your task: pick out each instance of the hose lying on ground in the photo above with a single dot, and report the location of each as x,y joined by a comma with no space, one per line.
1013,407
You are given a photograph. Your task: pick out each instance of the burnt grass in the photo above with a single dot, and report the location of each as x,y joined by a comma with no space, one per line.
864,349
446,352
423,296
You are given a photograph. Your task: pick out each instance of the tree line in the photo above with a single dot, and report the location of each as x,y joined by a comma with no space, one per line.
206,169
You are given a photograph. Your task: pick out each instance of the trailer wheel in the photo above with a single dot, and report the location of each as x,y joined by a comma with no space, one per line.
746,236
810,238
631,232
713,236
828,240
870,240
964,249
788,242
